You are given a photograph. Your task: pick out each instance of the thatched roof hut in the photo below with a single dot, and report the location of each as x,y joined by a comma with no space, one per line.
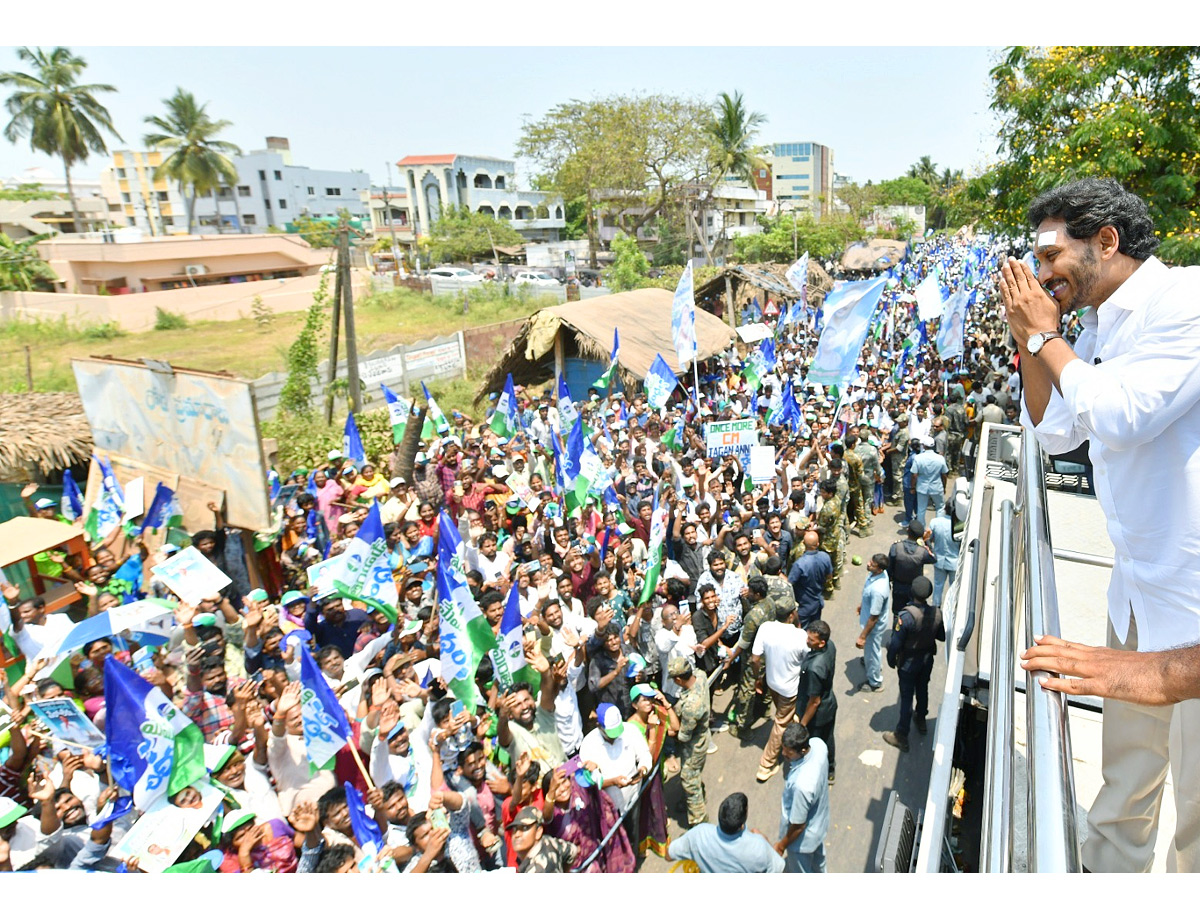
41,433
746,281
874,255
585,329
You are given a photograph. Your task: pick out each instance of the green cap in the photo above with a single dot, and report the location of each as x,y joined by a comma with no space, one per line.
236,820
10,811
293,597
258,595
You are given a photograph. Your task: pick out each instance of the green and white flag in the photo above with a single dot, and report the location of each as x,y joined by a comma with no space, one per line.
752,374
505,420
398,411
466,636
654,556
605,381
673,439
365,573
435,412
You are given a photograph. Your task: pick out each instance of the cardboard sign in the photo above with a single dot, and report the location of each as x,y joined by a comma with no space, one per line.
190,576
67,722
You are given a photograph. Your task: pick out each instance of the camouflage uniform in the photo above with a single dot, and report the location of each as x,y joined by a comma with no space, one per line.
871,470
694,710
858,498
897,455
762,611
830,529
956,430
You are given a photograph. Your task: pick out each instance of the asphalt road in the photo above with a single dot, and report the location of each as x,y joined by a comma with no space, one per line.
868,769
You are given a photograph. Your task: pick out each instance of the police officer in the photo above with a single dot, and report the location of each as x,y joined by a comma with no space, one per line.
765,609
914,641
872,473
694,710
956,430
828,526
854,478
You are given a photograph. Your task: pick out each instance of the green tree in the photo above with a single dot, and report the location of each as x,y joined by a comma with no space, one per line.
28,192
630,266
731,129
907,191
924,170
1130,113
295,399
60,117
861,198
21,269
462,235
632,155
197,160
785,237
319,233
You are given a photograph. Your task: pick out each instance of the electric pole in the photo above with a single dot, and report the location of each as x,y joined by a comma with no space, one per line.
387,200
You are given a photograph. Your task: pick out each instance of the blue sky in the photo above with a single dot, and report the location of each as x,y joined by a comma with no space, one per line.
879,108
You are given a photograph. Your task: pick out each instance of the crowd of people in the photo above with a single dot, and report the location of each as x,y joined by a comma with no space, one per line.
625,645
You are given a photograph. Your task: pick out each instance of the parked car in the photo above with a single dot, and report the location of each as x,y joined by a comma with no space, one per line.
456,275
536,278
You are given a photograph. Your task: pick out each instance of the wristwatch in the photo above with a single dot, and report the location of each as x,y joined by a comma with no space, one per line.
1035,343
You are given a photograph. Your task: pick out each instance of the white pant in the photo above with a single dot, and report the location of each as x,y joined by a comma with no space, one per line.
1139,742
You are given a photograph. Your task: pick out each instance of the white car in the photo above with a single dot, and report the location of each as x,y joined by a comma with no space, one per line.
452,274
535,278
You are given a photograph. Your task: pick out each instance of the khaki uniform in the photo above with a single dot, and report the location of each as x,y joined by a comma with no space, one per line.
897,455
694,710
763,611
871,472
859,500
829,527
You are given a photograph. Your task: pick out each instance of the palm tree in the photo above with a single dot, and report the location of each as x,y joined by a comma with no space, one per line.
61,118
732,130
924,169
197,161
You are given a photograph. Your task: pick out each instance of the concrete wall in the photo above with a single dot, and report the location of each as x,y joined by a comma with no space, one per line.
135,312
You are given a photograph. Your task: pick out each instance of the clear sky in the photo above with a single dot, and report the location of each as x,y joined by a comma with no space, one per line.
878,108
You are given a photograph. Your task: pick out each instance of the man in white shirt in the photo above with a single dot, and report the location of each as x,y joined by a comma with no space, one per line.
619,754
676,638
782,644
1130,386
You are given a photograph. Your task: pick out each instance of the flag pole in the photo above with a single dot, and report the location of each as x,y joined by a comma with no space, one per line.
696,379
358,761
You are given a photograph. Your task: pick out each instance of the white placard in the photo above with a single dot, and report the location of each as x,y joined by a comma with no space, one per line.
762,464
191,576
135,498
164,830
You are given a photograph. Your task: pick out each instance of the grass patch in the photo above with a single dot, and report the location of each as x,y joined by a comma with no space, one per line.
165,320
248,347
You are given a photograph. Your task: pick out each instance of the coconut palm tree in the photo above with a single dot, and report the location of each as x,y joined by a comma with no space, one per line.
732,130
61,117
926,170
197,161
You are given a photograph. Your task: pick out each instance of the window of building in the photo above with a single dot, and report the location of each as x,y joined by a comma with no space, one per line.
223,192
312,191
262,175
162,196
762,173
278,175
249,219
130,220
168,220
243,190
333,192
125,197
708,221
120,173
499,182
283,204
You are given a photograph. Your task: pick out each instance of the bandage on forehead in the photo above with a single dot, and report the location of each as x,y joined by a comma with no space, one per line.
1047,239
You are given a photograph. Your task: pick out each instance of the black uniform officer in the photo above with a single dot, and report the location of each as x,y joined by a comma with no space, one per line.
910,652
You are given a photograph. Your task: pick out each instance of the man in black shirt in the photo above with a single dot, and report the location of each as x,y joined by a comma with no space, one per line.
815,700
907,560
336,626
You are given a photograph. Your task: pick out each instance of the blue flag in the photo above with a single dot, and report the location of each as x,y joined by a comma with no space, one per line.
164,510
352,445
660,382
566,408
326,730
767,349
574,453
366,830
154,748
276,487
849,310
109,508
72,499
683,318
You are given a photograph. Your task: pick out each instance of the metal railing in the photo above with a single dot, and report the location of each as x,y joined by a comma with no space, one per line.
1053,828
997,839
